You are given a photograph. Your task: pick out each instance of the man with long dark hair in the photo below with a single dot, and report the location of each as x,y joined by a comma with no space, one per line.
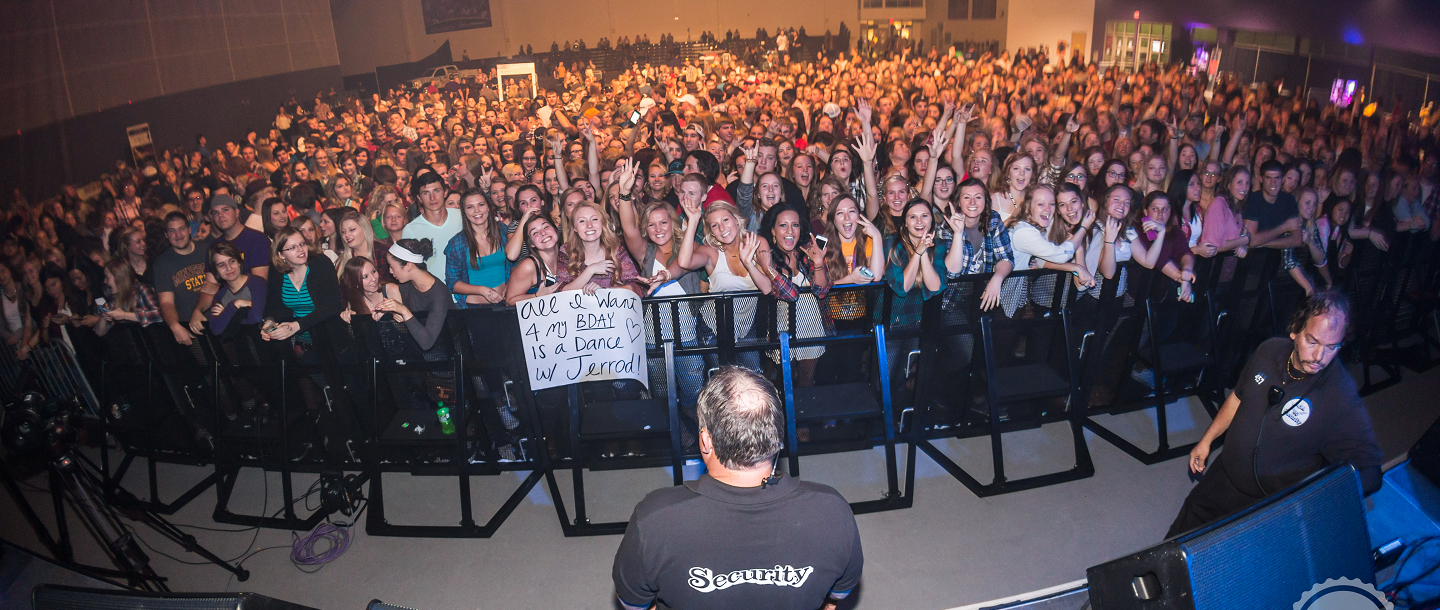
1294,411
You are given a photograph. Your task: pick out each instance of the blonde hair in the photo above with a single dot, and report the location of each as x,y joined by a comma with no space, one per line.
575,247
345,252
377,199
721,206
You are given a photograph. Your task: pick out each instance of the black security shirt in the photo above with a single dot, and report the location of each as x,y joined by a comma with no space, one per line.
709,545
1319,420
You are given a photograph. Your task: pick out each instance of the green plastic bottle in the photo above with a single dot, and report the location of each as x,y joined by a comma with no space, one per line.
443,413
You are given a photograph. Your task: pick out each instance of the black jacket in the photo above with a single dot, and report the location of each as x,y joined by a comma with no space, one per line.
320,282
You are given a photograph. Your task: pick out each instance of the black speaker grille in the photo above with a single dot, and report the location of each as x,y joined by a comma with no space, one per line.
1271,558
69,599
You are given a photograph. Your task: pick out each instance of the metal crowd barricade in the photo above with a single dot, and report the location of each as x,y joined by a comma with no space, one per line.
1372,282
55,368
1419,309
147,416
481,354
840,409
1171,341
295,404
611,426
179,383
1022,354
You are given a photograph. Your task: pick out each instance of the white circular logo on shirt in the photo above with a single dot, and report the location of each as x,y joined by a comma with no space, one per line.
1296,412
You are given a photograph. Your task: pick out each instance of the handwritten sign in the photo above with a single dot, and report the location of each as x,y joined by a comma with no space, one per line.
570,337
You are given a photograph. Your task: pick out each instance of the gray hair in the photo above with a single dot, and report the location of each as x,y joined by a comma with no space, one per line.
742,412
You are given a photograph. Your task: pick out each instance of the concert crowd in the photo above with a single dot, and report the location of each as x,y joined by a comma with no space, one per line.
764,172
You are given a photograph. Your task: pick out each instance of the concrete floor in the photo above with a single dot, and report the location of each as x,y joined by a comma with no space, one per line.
950,549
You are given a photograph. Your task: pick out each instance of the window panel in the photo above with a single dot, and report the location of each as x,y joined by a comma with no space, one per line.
982,9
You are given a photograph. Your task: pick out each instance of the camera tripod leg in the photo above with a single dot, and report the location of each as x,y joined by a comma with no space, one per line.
61,552
161,526
124,551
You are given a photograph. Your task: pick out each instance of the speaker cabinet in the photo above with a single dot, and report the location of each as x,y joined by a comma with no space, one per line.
1266,556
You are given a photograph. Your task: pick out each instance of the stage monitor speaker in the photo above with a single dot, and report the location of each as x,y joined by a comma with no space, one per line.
1266,556
376,604
1425,455
55,597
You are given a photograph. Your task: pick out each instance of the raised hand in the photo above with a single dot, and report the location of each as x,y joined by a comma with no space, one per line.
587,131
862,110
926,243
866,146
956,222
752,152
939,139
1073,125
1112,228
691,206
869,228
626,171
749,244
816,253
966,114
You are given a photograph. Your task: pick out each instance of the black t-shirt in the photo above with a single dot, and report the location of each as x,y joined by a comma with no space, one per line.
1320,420
709,545
1270,215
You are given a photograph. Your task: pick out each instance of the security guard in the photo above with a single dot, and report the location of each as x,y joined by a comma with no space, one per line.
1294,411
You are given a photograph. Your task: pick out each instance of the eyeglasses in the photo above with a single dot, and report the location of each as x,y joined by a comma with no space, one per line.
1115,174
292,248
1075,176
950,180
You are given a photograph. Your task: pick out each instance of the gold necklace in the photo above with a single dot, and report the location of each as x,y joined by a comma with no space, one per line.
1288,367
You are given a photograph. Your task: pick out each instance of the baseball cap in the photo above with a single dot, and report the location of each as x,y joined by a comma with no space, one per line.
688,99
677,167
831,109
221,199
646,104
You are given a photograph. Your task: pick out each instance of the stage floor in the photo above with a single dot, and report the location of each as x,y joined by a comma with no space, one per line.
949,550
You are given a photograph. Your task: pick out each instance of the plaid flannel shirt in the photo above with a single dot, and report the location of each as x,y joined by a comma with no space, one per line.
997,248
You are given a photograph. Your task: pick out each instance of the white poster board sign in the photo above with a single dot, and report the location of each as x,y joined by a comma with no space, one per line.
525,69
570,337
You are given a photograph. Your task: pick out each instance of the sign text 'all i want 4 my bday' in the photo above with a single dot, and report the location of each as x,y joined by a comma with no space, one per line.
570,337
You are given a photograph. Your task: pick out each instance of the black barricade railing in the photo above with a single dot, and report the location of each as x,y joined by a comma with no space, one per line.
267,402
986,373
1420,298
837,387
1372,284
1159,349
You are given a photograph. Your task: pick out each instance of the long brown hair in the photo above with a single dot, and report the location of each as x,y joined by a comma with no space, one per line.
1054,234
353,287
575,247
492,228
835,265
